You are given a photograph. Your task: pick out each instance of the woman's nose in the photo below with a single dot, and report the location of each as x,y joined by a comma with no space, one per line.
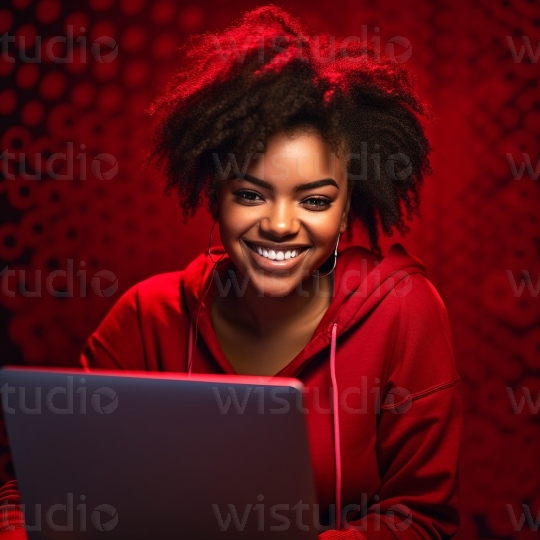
280,219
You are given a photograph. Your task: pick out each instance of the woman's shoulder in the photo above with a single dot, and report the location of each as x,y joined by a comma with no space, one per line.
176,286
162,286
136,323
168,290
154,296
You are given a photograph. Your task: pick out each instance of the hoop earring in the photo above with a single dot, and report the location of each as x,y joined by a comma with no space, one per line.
335,261
209,242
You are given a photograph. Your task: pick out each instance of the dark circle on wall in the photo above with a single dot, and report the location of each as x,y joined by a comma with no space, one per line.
10,245
37,330
37,228
60,121
126,200
10,241
16,138
52,263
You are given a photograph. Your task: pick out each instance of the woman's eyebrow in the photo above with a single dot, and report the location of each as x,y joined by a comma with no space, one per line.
302,187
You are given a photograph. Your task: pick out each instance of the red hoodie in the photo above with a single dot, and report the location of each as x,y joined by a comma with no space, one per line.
384,409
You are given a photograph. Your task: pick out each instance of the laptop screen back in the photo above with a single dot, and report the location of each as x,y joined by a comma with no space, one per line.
141,455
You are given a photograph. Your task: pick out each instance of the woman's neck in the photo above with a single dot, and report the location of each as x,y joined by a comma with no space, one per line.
264,316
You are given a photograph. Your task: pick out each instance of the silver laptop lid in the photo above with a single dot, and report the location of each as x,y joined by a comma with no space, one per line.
141,455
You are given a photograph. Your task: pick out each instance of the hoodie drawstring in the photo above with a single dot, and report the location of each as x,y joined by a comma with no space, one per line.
337,446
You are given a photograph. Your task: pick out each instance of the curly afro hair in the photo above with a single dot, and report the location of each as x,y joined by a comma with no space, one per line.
263,74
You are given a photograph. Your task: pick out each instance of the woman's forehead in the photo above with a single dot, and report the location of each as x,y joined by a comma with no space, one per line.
304,157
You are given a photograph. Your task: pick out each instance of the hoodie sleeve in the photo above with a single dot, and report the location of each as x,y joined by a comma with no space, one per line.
12,526
419,428
117,342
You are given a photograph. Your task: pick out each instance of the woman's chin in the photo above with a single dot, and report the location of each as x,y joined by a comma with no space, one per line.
271,286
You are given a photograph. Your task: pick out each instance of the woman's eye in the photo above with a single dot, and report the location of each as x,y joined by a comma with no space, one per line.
246,195
319,202
314,202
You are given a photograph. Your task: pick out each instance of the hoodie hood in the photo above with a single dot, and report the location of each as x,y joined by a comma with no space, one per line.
360,283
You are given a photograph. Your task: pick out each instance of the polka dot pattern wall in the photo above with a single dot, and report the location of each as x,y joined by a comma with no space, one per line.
82,218
75,189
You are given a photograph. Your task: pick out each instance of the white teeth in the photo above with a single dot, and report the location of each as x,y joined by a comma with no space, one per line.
277,255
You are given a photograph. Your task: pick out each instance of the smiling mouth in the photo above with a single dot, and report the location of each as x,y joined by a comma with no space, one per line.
276,255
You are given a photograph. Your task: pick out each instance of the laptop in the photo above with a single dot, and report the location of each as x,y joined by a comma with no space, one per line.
139,455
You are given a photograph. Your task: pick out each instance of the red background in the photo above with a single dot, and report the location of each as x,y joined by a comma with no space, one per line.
478,232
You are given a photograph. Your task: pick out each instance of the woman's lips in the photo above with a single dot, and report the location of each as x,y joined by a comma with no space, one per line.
275,266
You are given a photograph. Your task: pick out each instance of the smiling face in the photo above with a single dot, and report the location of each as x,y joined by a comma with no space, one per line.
291,206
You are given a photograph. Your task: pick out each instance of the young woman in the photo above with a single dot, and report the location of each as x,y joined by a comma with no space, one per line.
291,139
